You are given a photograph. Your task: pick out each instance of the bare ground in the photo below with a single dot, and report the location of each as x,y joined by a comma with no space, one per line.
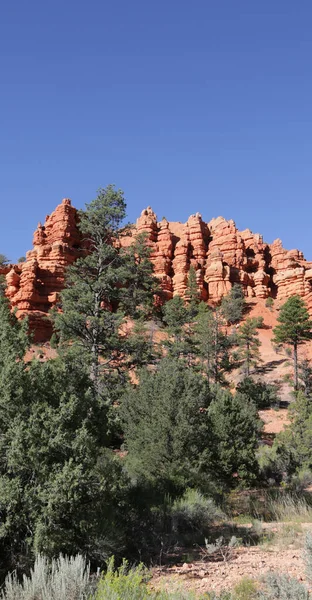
254,562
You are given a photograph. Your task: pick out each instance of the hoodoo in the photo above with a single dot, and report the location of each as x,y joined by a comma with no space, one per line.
220,254
33,286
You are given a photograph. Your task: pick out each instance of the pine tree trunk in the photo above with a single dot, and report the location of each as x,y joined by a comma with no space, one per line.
208,369
216,344
296,366
94,371
247,360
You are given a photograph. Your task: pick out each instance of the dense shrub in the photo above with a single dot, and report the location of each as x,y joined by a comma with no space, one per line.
301,480
235,426
269,303
283,587
124,582
262,394
193,513
271,466
65,578
166,427
132,584
293,445
233,304
246,589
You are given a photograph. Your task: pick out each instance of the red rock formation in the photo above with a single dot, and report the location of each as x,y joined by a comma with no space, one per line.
198,234
217,276
162,258
33,286
220,254
147,223
292,274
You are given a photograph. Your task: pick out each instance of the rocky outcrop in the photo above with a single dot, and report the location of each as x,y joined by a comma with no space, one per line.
220,254
33,286
291,273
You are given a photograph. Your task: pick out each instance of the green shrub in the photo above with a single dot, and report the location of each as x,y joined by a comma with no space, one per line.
283,587
68,578
193,512
64,578
123,583
236,428
131,583
246,589
54,340
221,548
262,394
271,466
301,480
232,305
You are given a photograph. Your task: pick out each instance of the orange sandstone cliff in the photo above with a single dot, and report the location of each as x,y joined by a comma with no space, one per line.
220,254
33,286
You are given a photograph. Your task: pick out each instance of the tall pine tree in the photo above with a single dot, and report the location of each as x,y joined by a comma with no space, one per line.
294,328
249,344
104,286
232,305
212,345
166,426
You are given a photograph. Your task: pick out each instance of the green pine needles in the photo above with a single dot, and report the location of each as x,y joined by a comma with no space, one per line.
294,329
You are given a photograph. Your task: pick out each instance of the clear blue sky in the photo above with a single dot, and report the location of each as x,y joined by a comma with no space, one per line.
187,106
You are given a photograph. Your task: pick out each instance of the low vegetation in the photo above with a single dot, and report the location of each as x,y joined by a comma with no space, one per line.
68,578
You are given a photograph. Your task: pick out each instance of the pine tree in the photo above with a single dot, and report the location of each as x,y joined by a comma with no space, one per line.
204,340
294,329
236,428
139,285
2,285
262,394
305,374
249,344
59,482
176,317
4,260
293,446
212,345
57,478
166,427
232,305
14,342
192,295
87,317
105,285
142,348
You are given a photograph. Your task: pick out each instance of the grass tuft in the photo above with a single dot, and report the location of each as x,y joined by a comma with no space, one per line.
290,508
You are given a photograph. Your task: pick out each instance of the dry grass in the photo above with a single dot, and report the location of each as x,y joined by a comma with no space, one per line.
292,509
